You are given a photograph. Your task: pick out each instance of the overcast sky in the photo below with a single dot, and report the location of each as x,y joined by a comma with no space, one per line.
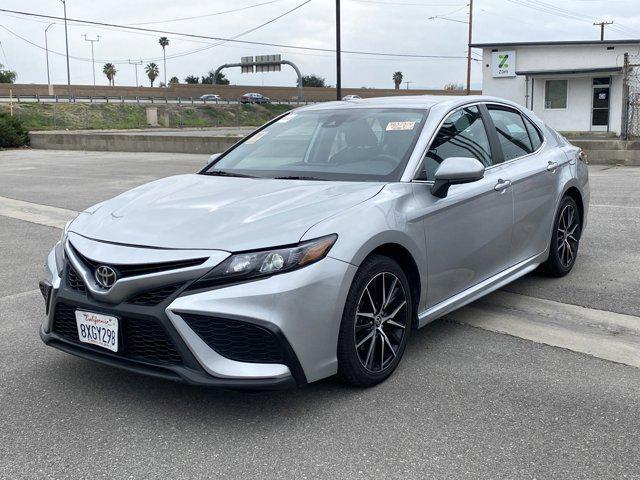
390,26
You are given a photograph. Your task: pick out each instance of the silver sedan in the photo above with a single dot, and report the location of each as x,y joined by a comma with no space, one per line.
316,245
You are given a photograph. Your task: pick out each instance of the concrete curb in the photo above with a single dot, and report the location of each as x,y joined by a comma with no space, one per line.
127,142
607,335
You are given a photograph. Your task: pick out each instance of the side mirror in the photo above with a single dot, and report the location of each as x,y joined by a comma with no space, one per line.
213,158
454,171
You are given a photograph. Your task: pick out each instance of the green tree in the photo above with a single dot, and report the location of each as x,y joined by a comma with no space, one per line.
164,43
313,81
397,79
6,75
174,80
192,79
110,71
152,71
12,132
219,80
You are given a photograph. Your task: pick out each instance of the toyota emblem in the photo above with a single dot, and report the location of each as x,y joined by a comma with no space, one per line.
105,276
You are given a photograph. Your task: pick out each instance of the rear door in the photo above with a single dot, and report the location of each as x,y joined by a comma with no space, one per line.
534,168
468,233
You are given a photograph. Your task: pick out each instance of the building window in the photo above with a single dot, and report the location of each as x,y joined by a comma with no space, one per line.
555,94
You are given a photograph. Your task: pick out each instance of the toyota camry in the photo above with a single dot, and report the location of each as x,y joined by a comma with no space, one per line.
316,245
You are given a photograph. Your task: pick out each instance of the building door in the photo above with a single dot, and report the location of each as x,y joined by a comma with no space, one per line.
600,111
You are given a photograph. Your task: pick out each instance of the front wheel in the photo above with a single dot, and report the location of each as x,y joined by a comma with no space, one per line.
565,239
376,323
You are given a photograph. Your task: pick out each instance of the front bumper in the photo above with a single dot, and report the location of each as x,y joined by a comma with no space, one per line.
299,311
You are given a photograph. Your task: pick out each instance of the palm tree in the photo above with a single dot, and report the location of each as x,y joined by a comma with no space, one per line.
110,71
397,79
152,72
164,42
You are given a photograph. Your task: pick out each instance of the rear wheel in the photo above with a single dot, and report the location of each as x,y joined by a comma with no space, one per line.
565,239
376,323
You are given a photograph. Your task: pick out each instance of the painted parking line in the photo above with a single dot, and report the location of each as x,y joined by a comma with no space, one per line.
602,334
614,206
35,213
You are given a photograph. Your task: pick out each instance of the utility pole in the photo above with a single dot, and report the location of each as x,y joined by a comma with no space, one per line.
338,62
602,24
408,82
66,41
135,65
469,47
93,66
46,49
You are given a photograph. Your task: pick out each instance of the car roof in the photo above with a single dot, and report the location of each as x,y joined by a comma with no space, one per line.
409,101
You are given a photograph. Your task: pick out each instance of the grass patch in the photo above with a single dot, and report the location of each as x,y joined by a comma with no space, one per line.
86,116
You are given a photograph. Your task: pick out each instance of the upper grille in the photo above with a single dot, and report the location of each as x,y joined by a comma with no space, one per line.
74,280
237,340
141,338
141,268
155,296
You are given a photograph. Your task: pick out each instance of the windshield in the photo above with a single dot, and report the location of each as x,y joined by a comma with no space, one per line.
358,144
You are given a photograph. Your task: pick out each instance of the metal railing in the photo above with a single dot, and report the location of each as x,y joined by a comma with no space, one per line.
141,100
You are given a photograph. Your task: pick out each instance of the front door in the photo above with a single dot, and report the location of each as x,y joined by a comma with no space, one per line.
600,111
468,233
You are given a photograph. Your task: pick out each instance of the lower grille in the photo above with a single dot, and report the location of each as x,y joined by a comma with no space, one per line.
141,339
237,340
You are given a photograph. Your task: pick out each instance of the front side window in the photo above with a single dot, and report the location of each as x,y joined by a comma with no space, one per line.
512,133
360,144
462,134
555,94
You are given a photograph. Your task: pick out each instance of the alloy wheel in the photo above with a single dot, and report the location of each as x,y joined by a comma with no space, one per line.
381,322
568,232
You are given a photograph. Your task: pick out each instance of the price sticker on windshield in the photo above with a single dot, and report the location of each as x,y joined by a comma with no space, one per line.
256,137
397,126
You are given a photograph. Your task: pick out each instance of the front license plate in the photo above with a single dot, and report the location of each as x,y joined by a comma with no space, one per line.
98,329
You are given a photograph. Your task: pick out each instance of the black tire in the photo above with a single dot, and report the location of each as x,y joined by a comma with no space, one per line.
563,249
384,350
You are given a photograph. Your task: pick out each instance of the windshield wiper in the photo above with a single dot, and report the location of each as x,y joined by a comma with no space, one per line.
224,173
294,177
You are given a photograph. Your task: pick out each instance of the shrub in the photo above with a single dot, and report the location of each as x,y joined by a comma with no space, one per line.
12,132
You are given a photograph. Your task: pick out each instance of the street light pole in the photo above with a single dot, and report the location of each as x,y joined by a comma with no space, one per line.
66,41
338,62
93,66
135,65
46,48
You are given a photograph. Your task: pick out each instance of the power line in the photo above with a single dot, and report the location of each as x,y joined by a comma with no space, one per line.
207,14
222,39
177,55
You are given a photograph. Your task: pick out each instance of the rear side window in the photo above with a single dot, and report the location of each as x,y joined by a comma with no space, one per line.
534,134
462,134
512,133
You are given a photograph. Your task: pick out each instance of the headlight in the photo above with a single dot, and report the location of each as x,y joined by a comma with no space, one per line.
249,265
59,248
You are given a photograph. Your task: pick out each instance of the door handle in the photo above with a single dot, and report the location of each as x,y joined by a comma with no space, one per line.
552,166
502,185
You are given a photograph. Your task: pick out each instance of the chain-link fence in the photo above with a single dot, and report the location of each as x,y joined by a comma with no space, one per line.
631,92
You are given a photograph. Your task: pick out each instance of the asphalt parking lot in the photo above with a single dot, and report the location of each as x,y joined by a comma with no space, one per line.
465,403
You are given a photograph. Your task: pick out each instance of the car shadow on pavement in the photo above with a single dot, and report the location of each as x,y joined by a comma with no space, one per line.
177,400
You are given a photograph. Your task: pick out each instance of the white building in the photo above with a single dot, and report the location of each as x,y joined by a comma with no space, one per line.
574,86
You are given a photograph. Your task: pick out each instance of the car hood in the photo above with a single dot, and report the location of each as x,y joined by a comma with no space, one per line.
221,213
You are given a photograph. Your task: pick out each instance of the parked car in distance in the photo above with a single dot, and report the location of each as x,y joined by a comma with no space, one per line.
318,244
209,97
254,98
346,98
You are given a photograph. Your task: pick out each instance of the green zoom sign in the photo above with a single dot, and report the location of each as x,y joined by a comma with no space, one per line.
504,60
503,63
